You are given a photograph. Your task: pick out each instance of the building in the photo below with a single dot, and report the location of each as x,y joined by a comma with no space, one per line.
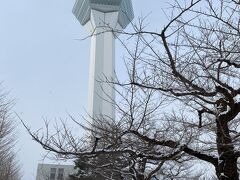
54,172
103,19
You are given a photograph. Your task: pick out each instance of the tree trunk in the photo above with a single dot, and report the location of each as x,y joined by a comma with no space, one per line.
140,177
227,165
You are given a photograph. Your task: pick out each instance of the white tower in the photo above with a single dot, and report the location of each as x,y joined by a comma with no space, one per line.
100,17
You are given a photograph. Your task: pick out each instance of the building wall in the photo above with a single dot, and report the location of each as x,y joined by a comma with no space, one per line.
54,172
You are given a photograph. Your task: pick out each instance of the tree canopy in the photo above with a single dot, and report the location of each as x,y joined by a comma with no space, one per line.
9,166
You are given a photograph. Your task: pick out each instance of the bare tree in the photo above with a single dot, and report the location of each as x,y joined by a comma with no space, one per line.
197,64
9,167
180,104
117,151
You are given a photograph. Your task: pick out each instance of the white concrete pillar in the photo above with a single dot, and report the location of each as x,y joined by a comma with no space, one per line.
100,17
101,95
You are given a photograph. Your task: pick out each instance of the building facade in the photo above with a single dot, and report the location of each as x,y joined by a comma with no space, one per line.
54,172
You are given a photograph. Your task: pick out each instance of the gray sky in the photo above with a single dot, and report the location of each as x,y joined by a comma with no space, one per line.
45,67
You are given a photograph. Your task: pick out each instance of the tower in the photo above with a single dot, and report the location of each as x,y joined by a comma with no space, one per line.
102,18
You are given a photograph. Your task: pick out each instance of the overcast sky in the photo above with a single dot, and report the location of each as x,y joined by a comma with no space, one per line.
45,66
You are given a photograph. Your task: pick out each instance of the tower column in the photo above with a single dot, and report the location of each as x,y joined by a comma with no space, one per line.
102,64
101,18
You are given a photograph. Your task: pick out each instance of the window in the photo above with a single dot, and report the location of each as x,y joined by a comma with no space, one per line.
60,174
53,173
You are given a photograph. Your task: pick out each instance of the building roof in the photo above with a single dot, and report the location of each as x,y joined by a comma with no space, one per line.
82,10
